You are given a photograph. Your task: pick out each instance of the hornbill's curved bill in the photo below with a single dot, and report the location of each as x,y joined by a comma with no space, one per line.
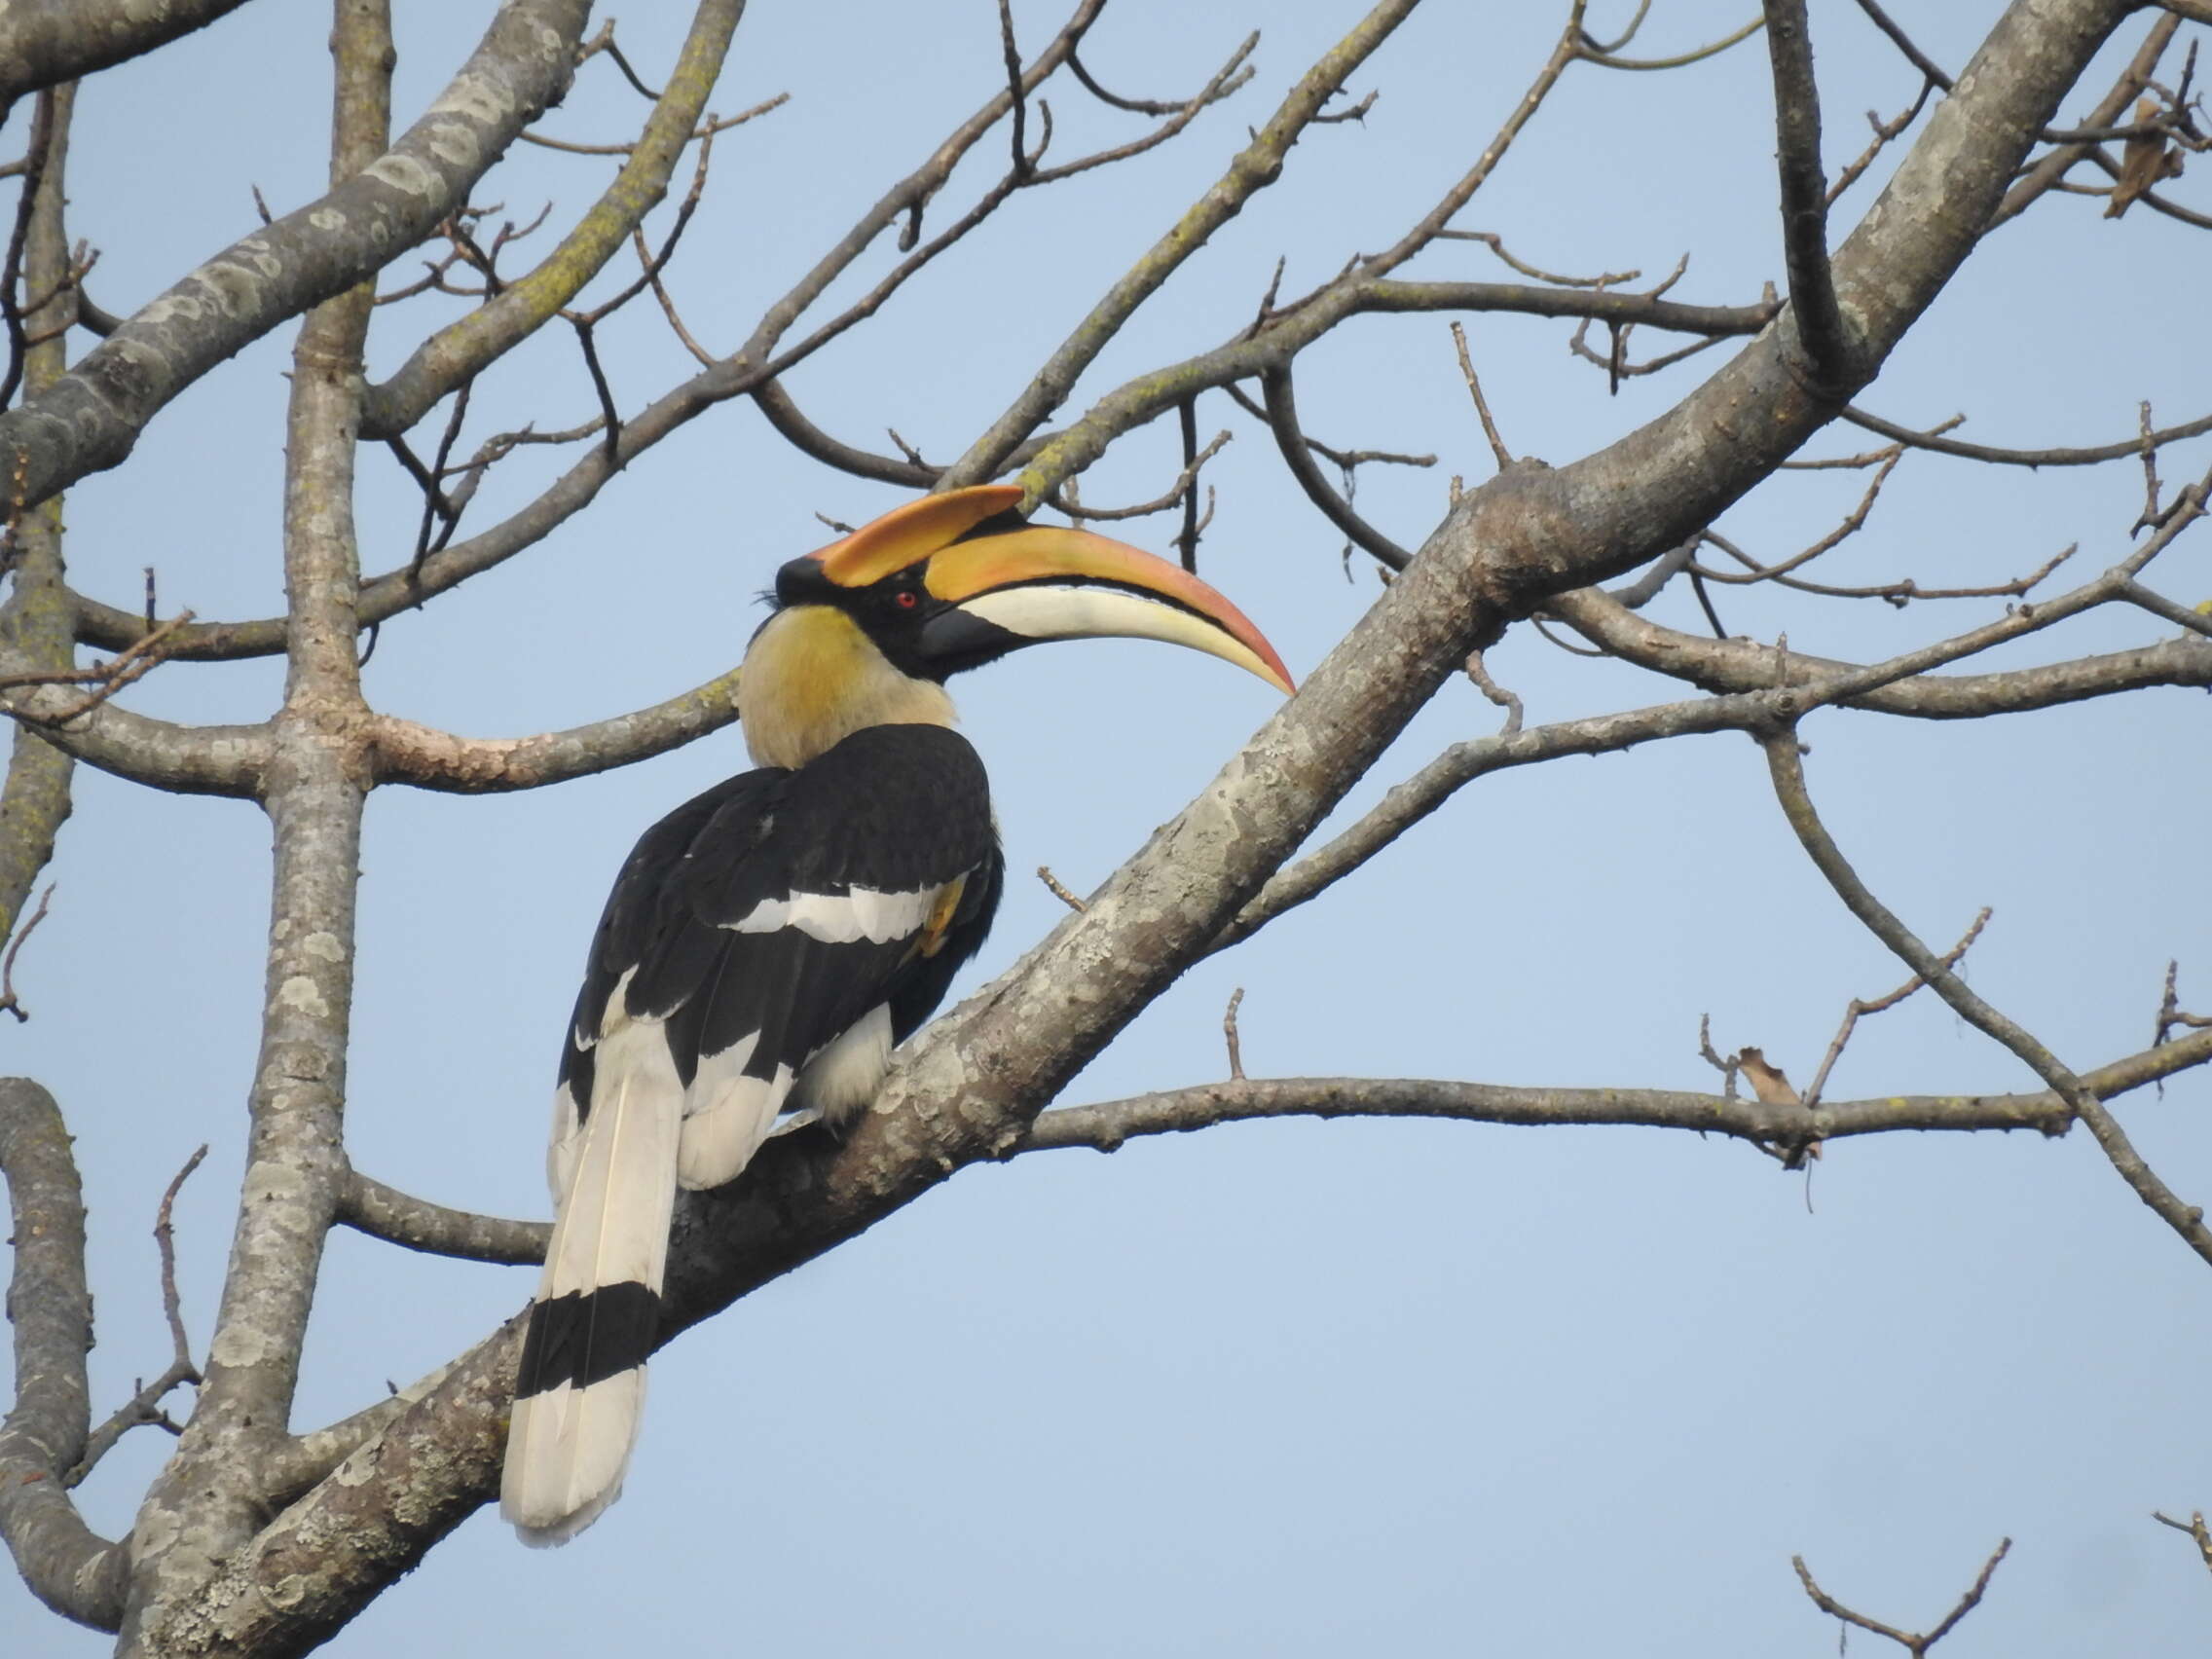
767,943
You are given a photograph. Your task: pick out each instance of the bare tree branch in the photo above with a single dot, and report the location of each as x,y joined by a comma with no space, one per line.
2052,168
416,1224
1254,168
1858,1008
2129,450
91,417
406,753
973,1087
68,1566
1109,1125
1930,70
1916,1646
41,46
1297,455
35,621
1805,196
1789,777
1740,665
1747,676
2194,1525
144,1407
209,1500
461,350
1678,60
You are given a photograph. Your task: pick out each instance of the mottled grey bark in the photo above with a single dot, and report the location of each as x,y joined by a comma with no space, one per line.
209,1498
37,624
408,754
399,1218
68,1566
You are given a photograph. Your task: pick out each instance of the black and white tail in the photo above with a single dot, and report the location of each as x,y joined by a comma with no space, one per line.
581,1389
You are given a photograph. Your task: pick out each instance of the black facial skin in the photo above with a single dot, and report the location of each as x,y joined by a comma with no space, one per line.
923,636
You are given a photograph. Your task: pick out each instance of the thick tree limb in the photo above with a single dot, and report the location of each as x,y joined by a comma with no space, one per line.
209,1498
68,1566
36,623
44,43
92,418
224,760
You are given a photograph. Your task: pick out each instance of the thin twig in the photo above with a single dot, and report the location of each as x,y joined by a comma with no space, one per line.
2170,1014
1928,69
1187,431
1884,132
1858,1008
2194,1526
1183,492
1805,198
2149,514
1497,449
105,678
166,1242
707,129
11,270
1496,692
1297,455
604,40
1727,1068
7,966
1789,776
1343,459
1229,1031
611,441
1679,60
1053,886
2061,457
1496,244
1229,78
145,1405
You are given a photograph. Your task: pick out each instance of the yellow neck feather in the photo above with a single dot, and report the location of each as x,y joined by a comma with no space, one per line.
812,679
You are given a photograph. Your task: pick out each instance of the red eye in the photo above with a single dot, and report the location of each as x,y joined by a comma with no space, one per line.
906,600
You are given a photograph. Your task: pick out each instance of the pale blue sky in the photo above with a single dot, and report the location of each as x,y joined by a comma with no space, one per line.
1292,1388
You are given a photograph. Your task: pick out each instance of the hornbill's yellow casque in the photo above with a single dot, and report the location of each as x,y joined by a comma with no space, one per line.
766,944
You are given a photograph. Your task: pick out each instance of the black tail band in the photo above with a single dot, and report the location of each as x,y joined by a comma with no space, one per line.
586,1336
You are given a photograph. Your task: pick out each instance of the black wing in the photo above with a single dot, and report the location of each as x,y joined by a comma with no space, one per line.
781,911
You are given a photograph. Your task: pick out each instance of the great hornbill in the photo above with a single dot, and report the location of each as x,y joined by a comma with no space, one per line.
766,944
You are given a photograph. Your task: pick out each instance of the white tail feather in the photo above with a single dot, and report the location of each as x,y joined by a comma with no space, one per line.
569,1446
